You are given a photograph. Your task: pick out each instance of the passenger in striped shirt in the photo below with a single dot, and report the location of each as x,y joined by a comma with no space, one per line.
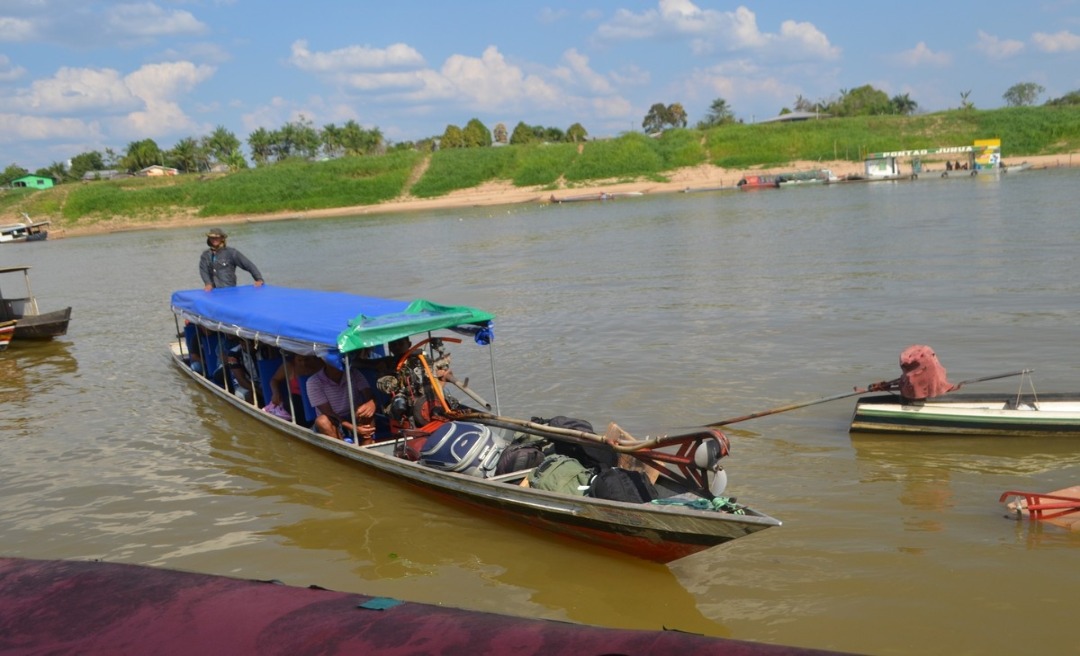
328,393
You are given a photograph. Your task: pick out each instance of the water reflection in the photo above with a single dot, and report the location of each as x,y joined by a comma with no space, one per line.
883,456
387,538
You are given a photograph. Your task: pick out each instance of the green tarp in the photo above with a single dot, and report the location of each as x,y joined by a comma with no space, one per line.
421,316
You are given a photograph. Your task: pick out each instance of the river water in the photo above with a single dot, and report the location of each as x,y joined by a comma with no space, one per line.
660,313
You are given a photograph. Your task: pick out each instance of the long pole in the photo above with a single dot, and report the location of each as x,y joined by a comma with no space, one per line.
796,406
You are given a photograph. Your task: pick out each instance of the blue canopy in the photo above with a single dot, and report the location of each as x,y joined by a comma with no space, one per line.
319,322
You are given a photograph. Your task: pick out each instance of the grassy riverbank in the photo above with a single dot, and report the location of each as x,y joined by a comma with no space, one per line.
516,173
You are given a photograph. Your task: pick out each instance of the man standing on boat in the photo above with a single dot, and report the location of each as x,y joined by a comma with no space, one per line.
218,263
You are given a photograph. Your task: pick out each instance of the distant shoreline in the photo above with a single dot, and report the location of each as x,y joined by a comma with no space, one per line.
703,177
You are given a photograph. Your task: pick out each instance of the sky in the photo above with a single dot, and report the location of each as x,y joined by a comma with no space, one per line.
84,75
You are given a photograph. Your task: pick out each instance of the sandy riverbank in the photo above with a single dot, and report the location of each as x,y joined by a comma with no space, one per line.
705,176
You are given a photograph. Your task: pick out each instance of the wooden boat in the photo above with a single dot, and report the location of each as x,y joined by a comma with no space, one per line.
969,414
33,324
7,332
93,607
690,517
751,182
1014,168
598,196
24,232
813,177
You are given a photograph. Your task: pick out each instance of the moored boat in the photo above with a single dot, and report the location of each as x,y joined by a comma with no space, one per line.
32,323
7,332
969,414
416,413
603,195
799,178
24,232
758,182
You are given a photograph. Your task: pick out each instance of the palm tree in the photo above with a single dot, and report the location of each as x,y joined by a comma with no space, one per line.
719,114
903,104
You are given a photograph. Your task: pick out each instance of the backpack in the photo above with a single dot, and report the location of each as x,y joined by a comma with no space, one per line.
525,452
593,455
627,485
559,473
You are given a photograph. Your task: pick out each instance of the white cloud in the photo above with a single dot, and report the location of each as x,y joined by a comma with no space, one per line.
743,84
147,19
158,86
8,71
168,80
16,29
1063,41
708,30
922,55
576,71
73,90
398,55
489,82
22,128
142,103
996,48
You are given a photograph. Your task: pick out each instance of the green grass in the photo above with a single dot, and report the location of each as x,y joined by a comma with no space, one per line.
630,156
543,164
354,181
464,168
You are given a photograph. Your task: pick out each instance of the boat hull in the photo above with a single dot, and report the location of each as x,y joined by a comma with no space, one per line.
43,326
7,332
652,532
970,414
76,607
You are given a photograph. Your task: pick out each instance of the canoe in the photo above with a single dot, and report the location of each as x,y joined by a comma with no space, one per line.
93,607
969,414
7,332
33,324
415,404
597,196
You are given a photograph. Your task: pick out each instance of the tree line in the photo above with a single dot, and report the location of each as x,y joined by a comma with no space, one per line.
301,139
296,139
860,101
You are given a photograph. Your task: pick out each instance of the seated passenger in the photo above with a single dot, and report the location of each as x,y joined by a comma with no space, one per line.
328,392
239,364
387,365
294,367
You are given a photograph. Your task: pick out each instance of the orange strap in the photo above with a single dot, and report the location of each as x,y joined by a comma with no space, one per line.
434,382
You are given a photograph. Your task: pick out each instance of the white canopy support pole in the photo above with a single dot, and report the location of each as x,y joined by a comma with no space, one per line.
494,382
352,401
